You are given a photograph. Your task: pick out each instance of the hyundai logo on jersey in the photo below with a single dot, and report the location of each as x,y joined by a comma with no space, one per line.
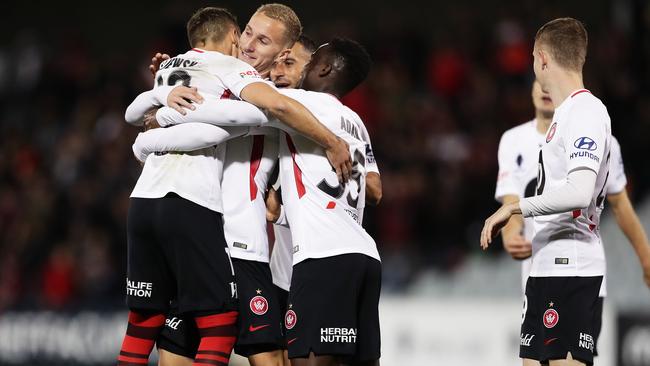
585,143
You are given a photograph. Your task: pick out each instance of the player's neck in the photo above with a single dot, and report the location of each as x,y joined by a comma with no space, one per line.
564,84
542,122
221,47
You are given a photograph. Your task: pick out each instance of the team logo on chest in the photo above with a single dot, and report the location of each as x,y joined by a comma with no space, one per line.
290,318
259,305
550,317
551,132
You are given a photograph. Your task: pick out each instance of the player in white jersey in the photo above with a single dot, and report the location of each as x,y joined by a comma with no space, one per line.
568,261
325,222
171,176
518,153
287,73
248,163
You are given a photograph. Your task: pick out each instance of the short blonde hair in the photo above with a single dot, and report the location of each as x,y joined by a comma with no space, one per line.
566,39
286,16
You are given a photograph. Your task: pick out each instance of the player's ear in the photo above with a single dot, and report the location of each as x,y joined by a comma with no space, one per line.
543,58
324,70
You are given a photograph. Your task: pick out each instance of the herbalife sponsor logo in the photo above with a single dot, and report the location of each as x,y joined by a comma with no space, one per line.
138,289
338,335
586,341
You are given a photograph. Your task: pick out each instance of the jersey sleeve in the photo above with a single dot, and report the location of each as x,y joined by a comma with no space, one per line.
185,137
220,112
371,163
238,75
617,180
586,138
507,182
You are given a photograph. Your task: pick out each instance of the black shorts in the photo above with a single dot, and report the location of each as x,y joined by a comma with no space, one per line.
283,299
598,323
180,335
177,250
334,308
559,317
260,309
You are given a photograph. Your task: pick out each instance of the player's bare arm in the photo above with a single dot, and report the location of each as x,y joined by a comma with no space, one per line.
373,188
513,242
629,223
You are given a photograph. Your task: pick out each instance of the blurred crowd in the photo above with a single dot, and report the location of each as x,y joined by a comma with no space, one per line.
435,104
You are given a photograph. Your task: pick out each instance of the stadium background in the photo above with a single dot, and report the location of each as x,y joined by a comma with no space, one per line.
448,79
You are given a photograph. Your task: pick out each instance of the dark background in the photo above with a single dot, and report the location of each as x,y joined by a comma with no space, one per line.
448,79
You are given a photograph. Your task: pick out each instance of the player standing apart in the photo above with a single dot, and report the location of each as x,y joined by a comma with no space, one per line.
518,153
568,261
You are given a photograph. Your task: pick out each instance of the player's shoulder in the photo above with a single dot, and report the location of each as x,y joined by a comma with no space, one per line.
523,130
615,145
586,102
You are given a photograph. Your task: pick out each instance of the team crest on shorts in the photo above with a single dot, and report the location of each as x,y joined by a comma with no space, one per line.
551,132
259,305
290,319
550,318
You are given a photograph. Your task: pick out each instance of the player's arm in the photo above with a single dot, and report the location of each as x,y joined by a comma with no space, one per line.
186,137
629,223
513,242
297,117
220,112
373,188
160,96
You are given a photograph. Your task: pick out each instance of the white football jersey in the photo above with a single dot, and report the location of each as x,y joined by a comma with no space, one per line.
568,244
325,216
518,159
194,175
281,257
248,166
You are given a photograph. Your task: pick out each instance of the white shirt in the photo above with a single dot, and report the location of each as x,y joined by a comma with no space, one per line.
195,175
518,161
281,256
324,216
248,166
568,244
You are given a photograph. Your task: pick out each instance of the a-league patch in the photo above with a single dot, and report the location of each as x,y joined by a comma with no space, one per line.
259,305
290,319
550,318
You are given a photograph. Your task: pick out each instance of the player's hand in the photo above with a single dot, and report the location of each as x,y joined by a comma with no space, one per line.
182,97
155,62
339,157
149,120
518,247
494,224
272,205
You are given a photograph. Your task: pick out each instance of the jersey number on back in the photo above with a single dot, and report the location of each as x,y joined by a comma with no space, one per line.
174,77
337,191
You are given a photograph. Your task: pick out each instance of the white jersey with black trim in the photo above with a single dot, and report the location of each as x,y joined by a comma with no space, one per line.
518,160
196,175
248,166
281,256
324,216
568,244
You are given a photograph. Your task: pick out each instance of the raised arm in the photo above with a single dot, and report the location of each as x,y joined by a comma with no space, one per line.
185,137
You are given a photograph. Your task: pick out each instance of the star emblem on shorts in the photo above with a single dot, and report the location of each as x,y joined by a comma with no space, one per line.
258,291
550,304
290,306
